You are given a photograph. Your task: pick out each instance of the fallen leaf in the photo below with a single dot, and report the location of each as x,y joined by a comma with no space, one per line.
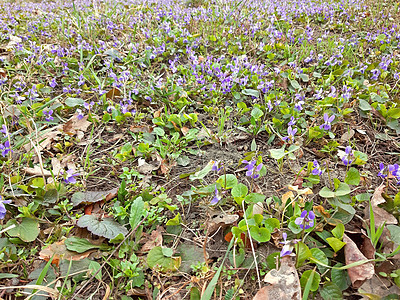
381,216
185,130
284,284
146,168
358,274
320,209
37,171
153,240
286,196
114,92
60,252
378,288
221,220
75,125
347,136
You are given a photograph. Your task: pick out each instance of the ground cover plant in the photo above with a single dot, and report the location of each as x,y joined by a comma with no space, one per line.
199,149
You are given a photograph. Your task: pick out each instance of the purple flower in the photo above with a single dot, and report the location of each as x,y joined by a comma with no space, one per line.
216,198
328,120
53,83
375,74
395,170
317,168
5,149
382,169
3,209
217,166
292,121
252,169
347,159
287,245
291,133
48,116
306,219
80,114
4,130
69,176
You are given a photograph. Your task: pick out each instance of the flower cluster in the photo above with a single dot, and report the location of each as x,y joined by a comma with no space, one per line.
394,170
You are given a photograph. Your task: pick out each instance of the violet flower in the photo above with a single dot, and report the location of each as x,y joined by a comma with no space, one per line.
3,209
252,169
69,176
4,130
216,198
382,169
5,148
328,120
287,245
48,114
317,168
217,166
306,219
291,133
348,158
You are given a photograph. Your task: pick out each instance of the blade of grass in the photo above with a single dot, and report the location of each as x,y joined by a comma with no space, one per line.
211,286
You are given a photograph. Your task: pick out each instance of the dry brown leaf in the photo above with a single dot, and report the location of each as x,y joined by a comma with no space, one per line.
37,171
358,274
377,288
381,216
146,168
74,125
114,92
221,220
60,252
185,130
153,240
284,284
286,196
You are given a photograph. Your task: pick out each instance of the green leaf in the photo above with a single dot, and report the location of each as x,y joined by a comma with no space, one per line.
227,181
257,113
320,256
340,277
175,220
240,190
338,231
190,255
72,102
278,153
364,105
303,252
82,245
106,227
326,193
91,196
394,113
239,257
352,176
254,198
313,276
136,213
342,190
51,196
8,275
272,223
261,235
331,291
94,266
156,258
203,172
295,84
394,233
167,252
304,77
251,92
335,243
27,230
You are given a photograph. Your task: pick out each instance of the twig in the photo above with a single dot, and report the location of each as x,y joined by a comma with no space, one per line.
108,258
